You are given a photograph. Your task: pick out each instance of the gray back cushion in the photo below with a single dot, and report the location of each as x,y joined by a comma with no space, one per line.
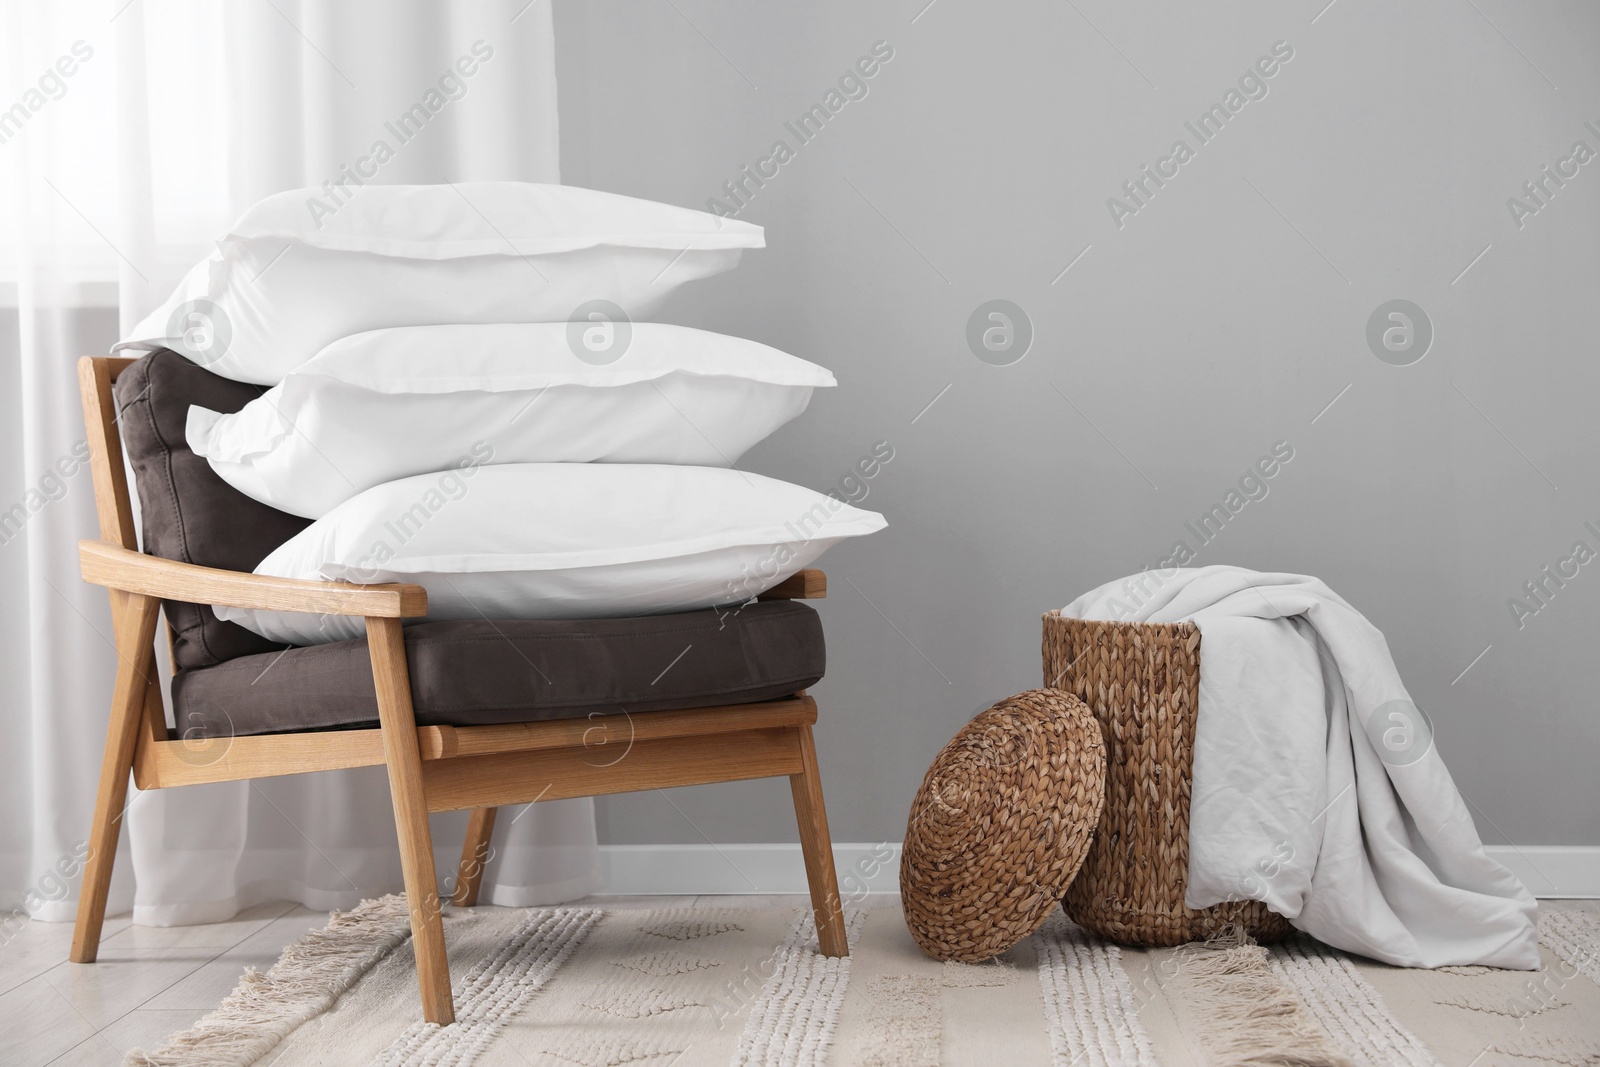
188,513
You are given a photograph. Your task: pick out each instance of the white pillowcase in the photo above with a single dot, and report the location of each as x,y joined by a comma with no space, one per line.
388,404
289,278
560,541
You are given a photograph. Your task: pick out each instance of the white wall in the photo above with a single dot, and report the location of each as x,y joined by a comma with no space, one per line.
1220,319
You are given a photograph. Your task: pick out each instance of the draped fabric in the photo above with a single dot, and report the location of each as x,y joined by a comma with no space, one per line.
131,134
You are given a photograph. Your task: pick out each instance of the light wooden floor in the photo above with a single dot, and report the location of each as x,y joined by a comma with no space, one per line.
151,982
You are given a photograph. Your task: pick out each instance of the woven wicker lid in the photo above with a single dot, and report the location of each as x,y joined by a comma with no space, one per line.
1001,825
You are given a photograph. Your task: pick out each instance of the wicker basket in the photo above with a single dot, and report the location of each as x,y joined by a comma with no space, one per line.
1002,822
1142,681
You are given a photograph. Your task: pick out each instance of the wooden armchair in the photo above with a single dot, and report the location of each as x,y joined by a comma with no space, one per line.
431,767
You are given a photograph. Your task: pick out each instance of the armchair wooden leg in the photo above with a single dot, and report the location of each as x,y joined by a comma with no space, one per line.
474,857
388,648
817,847
136,631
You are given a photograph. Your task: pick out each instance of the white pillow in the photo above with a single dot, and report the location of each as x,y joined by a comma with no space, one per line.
290,277
560,541
392,403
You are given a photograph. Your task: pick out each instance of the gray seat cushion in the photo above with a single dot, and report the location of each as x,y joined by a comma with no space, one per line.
189,513
476,672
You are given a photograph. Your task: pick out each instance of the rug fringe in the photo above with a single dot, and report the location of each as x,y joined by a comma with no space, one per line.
1252,1018
1351,1011
308,977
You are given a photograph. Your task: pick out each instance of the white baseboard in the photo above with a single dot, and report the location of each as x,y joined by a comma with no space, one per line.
683,870
1553,871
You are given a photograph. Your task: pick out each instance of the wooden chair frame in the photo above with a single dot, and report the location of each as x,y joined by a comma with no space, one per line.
431,768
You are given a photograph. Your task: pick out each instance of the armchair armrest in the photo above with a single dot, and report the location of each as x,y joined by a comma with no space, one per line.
115,567
801,585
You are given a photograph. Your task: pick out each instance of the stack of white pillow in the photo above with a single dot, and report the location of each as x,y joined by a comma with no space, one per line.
464,395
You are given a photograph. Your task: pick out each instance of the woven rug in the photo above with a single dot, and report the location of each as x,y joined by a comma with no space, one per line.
592,987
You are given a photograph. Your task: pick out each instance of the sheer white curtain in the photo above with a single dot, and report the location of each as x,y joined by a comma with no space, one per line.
131,133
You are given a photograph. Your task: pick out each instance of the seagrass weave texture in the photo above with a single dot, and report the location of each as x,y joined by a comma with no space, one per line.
1142,682
1001,824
